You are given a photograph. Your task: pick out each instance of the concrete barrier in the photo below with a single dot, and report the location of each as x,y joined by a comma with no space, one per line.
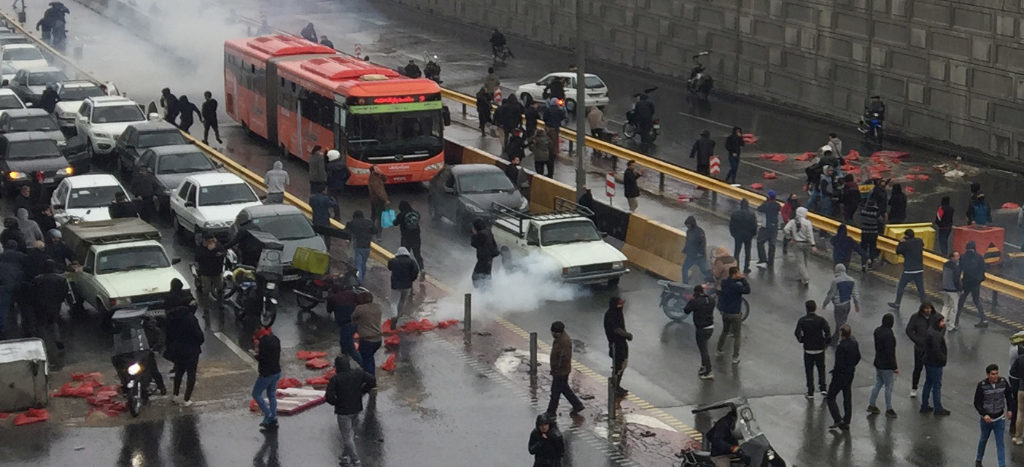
655,247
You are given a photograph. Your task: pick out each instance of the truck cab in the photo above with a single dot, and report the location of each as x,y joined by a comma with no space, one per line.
566,236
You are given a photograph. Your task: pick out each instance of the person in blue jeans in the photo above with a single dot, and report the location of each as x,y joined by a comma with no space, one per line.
367,319
885,366
268,357
993,398
934,362
360,231
695,250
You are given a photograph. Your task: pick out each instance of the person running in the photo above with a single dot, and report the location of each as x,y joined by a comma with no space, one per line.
885,365
360,231
912,250
934,360
268,358
847,358
951,288
345,392
208,115
972,267
993,399
185,119
917,330
277,181
730,303
813,332
486,250
702,307
841,293
404,272
800,230
561,366
618,345
367,318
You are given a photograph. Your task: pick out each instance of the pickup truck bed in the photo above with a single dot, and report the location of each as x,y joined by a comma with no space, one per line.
82,236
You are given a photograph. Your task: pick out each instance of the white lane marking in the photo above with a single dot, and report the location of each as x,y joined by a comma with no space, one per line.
237,350
707,120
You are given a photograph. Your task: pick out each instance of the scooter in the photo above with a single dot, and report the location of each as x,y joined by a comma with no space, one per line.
501,54
253,290
133,355
631,128
675,296
700,82
871,126
755,449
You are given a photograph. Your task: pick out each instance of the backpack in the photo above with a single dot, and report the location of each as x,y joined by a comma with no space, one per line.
411,221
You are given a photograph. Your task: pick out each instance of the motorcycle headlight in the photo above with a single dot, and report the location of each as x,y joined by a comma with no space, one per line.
434,166
271,286
14,175
134,369
618,265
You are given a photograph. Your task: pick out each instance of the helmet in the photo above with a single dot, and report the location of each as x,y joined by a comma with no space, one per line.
333,155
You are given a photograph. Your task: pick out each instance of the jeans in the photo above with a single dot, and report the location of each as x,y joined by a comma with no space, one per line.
731,322
950,309
559,387
906,278
377,207
360,256
275,198
182,367
883,378
942,242
812,201
915,377
703,336
933,386
741,244
974,290
826,206
772,233
367,349
348,344
399,303
842,312
734,166
1019,420
812,361
998,428
841,382
267,384
701,262
348,436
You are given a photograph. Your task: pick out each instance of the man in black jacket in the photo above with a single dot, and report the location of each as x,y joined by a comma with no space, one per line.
145,187
404,271
630,186
813,332
695,250
912,250
209,265
361,231
486,250
770,208
268,358
993,399
618,347
121,208
702,149
934,361
885,365
730,303
703,309
743,228
408,221
733,145
972,270
546,443
847,358
917,329
345,392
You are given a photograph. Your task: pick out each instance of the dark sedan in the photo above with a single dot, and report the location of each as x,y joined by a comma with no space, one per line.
21,120
31,158
29,83
464,192
139,137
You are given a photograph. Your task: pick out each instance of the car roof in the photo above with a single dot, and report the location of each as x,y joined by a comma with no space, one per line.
174,149
7,92
153,126
27,136
269,210
78,83
100,101
20,45
29,112
462,169
92,180
569,74
42,69
214,179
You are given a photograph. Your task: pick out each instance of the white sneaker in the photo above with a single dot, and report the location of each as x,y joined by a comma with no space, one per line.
913,393
186,403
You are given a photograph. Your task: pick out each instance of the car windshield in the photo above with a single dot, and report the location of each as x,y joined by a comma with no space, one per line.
391,133
151,139
130,259
93,197
484,182
34,123
9,101
287,227
593,82
183,163
23,53
78,93
226,194
31,149
117,114
569,232
42,78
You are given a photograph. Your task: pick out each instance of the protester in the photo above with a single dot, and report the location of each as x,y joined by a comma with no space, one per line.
324,41
145,187
595,118
934,360
321,205
849,197
404,272
835,144
944,225
813,332
847,358
993,399
618,337
515,148
721,262
187,109
951,288
277,181
702,307
695,250
743,228
514,171
703,149
723,443
360,230
546,443
870,227
972,267
12,274
29,228
561,366
508,117
209,266
829,189
767,234
408,220
730,303
486,250
209,117
734,145
49,289
540,147
788,212
912,250
337,173
979,213
630,186
184,339
917,330
491,81
345,392
367,318
122,208
170,105
880,194
897,205
885,366
24,199
841,293
44,217
483,108
59,251
553,116
317,170
342,302
268,358
378,195
1016,376
309,33
801,232
843,247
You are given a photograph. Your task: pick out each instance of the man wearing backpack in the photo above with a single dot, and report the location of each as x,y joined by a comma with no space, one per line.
408,220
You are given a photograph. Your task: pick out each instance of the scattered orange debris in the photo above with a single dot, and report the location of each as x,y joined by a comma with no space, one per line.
389,364
306,354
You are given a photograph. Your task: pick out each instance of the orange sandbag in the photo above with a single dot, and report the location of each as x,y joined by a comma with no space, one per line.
387,329
849,168
83,390
756,186
31,416
253,406
917,168
318,382
749,138
307,354
317,363
427,325
285,383
770,175
453,322
779,158
389,364
1009,205
853,155
769,156
891,154
95,376
805,157
909,189
391,341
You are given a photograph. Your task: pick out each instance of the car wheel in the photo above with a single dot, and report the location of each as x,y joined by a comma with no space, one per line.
179,230
526,99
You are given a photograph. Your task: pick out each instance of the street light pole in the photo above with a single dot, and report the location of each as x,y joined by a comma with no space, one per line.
581,99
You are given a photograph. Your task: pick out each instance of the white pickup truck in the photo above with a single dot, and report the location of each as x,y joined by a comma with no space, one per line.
122,264
565,235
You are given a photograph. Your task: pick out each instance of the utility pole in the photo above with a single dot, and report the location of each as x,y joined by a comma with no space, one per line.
581,99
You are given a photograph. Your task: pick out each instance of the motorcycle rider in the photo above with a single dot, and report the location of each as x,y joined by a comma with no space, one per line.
498,42
875,105
432,70
309,33
644,111
412,70
724,444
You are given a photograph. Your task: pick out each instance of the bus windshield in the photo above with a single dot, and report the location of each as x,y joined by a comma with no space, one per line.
381,134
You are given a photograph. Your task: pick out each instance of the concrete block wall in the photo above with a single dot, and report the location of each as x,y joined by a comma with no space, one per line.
949,70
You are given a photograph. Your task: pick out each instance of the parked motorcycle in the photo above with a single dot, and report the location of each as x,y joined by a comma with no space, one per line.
312,291
675,296
133,355
254,290
755,449
700,82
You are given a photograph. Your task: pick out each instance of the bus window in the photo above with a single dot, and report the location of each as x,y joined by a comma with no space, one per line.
375,134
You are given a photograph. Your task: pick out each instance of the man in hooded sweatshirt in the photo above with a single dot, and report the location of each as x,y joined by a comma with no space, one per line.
345,392
317,169
972,267
703,149
841,293
917,330
847,358
277,181
618,347
934,361
695,250
743,228
770,208
408,220
843,247
404,271
800,230
885,365
951,287
702,307
912,250
546,443
813,332
561,366
730,303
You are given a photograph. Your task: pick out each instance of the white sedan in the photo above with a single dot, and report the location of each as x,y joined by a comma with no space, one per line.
85,197
14,57
209,202
597,91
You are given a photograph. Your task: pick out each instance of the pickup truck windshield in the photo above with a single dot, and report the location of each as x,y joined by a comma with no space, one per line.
130,259
569,232
289,227
485,182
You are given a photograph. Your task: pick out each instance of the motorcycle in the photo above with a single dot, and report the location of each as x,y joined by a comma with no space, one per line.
700,82
133,355
254,290
230,258
312,292
501,54
871,126
675,296
631,128
755,449
432,70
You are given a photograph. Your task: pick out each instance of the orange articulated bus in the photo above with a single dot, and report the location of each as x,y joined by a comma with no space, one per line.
373,115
